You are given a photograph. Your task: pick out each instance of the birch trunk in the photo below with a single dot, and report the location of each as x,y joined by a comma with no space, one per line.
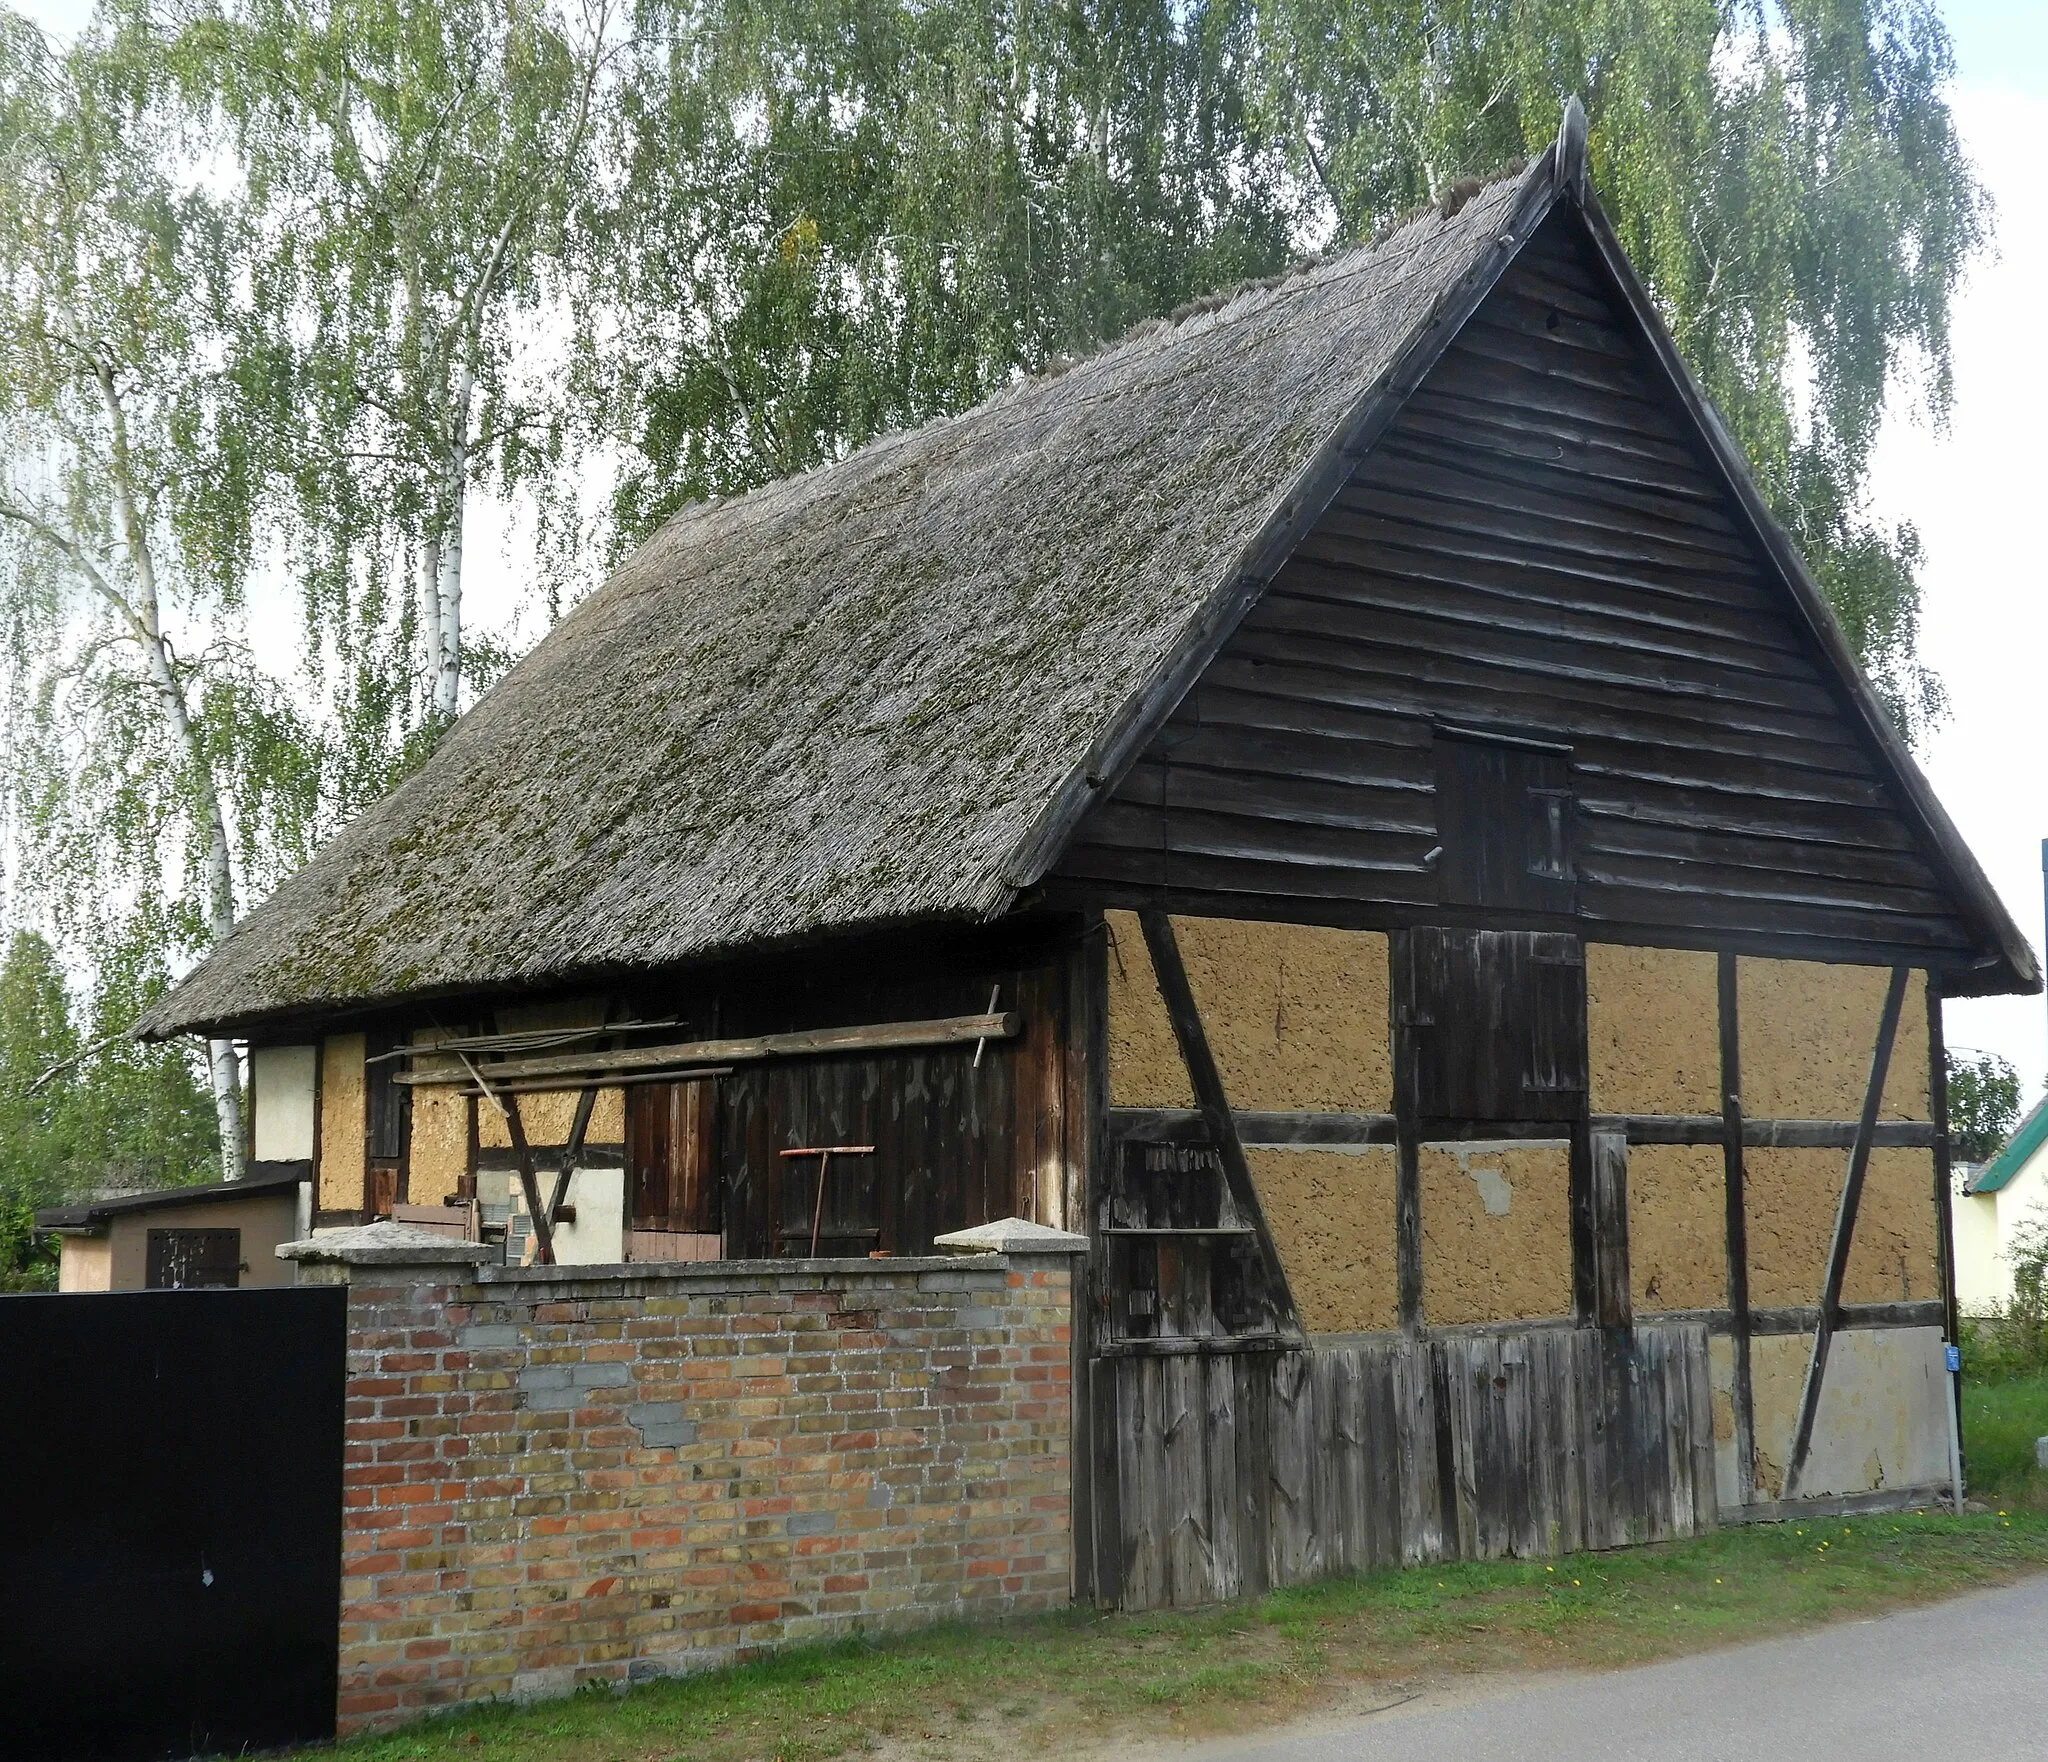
146,625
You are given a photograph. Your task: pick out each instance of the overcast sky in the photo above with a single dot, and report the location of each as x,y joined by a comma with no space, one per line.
1975,491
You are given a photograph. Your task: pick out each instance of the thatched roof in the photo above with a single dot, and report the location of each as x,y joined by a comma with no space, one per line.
860,695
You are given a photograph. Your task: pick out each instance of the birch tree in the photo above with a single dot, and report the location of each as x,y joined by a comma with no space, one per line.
123,531
414,168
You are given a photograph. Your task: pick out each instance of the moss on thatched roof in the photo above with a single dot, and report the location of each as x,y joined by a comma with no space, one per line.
862,695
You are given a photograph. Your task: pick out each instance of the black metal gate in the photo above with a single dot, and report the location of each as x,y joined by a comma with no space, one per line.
170,1490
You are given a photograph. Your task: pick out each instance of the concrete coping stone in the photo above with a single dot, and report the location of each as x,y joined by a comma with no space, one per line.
386,1244
1012,1235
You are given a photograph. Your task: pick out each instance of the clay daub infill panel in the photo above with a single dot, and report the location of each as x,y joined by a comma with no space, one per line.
1677,1226
1145,1066
1332,1218
1808,1028
1296,1015
1793,1196
1652,1030
344,1123
1496,1232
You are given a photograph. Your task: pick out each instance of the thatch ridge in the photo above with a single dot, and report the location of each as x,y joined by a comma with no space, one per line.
847,697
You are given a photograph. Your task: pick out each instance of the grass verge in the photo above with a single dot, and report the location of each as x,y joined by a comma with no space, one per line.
2001,1419
1080,1679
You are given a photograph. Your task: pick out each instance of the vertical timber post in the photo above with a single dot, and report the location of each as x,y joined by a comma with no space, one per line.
1736,1224
1944,1202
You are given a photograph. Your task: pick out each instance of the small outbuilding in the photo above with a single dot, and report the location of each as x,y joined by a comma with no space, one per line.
1347,799
224,1236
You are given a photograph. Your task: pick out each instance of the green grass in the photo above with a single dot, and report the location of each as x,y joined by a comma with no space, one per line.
1079,1678
2001,1419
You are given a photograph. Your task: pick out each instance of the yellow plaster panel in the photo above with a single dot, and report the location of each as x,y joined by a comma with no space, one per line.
1295,1014
548,1119
1653,1034
1793,1196
438,1152
1496,1237
1332,1218
1677,1226
1808,1030
1145,1066
344,1123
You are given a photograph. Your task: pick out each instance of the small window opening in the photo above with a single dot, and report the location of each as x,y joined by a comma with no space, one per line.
1505,814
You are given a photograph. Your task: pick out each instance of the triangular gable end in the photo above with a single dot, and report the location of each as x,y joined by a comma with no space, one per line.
1551,539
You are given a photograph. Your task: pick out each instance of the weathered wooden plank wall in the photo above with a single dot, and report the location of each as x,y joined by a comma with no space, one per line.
1537,546
1237,1472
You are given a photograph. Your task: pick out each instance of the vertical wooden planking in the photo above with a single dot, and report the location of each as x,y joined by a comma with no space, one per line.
1220,1459
1386,1517
1105,1500
1706,1497
1144,1577
1254,1379
1293,1544
1184,1431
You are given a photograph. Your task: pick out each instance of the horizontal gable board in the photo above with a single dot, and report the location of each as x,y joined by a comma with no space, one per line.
1538,545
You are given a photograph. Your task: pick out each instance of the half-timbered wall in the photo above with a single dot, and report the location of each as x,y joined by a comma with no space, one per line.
1298,1020
1538,549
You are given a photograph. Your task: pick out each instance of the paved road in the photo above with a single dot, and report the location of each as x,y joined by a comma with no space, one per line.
1965,1681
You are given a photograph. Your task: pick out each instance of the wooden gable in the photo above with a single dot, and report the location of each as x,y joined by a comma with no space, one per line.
1540,551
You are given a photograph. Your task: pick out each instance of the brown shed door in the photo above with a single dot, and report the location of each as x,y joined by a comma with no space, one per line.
671,1170
1494,1022
187,1260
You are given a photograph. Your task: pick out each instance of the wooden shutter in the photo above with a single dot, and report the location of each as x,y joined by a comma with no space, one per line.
671,1169
1494,1022
1504,821
185,1260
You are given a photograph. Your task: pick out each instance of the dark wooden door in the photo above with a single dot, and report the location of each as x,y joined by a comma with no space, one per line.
1493,1024
671,1164
190,1260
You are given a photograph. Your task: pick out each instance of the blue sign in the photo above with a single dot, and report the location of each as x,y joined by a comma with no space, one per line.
1954,1355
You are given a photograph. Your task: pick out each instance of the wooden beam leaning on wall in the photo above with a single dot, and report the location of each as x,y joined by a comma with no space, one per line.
1742,1395
1845,1230
569,1070
1214,1106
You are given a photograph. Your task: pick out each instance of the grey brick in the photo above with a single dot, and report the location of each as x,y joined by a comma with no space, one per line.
661,1423
810,1523
484,1336
544,1376
601,1376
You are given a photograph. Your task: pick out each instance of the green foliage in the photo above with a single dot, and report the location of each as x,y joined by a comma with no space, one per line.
82,1111
1983,1105
410,170
838,217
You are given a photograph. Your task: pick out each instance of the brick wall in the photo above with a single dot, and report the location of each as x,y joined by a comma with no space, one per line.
553,1479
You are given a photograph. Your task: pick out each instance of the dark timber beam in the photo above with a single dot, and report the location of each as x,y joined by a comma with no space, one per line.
1736,1226
1937,1097
1845,1230
1207,1083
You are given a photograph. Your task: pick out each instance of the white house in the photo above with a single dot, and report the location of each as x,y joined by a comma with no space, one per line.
1996,1199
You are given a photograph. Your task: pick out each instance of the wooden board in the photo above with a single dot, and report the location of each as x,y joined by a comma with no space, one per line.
1232,1473
1539,546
